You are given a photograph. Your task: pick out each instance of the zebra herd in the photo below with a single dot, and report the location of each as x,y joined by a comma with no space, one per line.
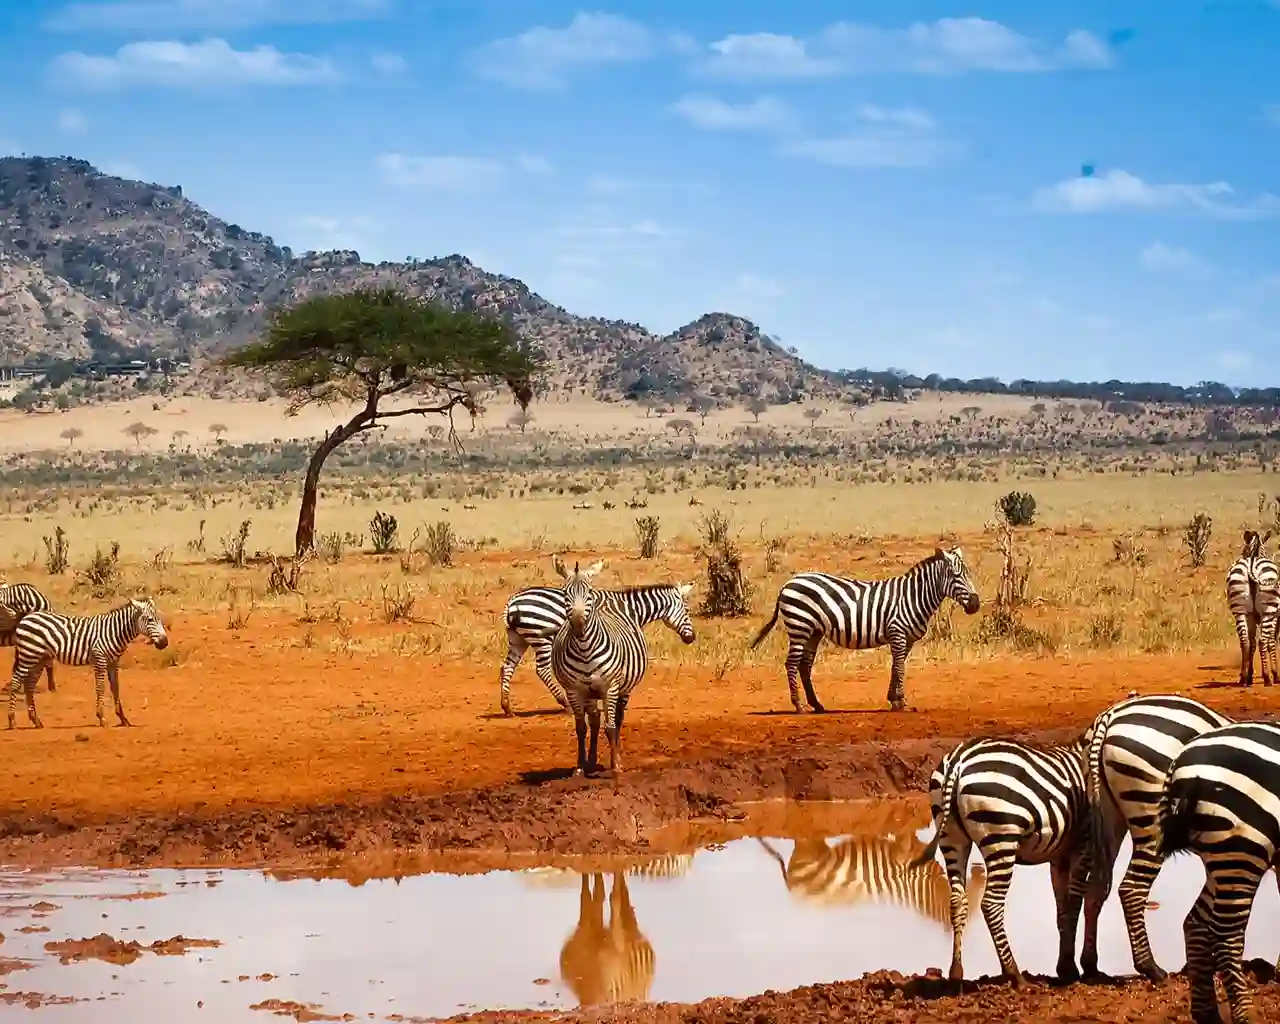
41,637
1173,773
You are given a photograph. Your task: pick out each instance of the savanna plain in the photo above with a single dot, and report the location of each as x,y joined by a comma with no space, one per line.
342,719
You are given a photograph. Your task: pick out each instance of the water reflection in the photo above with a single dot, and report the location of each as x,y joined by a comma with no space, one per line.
607,963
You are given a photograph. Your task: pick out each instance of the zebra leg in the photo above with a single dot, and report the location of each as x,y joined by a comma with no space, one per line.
580,730
516,646
1070,875
100,670
48,673
612,722
1095,895
899,647
800,662
1267,655
593,716
1198,937
956,848
29,680
113,677
1144,866
1000,858
542,666
1231,901
1245,632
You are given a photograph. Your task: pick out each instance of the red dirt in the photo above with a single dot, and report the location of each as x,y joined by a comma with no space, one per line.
117,951
255,749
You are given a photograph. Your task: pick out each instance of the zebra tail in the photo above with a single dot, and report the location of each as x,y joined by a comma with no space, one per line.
1095,820
1173,820
775,855
940,819
768,626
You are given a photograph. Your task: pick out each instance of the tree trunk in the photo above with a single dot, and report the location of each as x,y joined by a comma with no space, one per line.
305,538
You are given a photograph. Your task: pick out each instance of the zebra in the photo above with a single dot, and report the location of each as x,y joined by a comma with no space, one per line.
863,614
862,869
1221,801
19,599
533,615
1020,804
1253,595
1131,745
97,640
667,865
597,654
607,963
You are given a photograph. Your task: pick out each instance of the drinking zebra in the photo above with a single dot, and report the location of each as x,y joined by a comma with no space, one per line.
863,869
862,614
598,654
607,963
1221,801
1253,595
19,599
1131,745
534,614
97,640
1020,804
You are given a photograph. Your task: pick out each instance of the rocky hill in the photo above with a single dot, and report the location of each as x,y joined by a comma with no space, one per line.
91,265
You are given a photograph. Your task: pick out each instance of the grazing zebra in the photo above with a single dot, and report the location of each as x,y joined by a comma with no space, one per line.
1131,745
97,640
598,654
1253,595
862,614
1020,804
607,963
871,870
534,614
1221,801
19,599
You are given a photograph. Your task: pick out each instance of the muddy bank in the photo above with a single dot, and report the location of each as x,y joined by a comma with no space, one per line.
890,998
535,815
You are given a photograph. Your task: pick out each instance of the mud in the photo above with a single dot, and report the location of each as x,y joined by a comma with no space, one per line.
117,951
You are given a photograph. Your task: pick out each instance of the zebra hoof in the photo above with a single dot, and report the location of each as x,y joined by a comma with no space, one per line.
1068,973
1152,972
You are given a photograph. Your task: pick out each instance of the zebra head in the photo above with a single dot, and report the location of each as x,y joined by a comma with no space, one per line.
956,581
676,612
1252,547
149,624
579,597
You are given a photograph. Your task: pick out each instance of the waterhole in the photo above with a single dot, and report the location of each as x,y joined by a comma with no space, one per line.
791,907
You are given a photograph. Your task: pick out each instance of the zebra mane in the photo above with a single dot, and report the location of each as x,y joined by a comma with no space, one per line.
642,588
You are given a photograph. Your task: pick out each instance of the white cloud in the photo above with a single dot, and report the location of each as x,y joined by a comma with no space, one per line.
202,15
1160,258
451,173
72,122
208,63
598,242
946,46
1119,190
544,58
762,114
456,173
905,137
389,64
324,233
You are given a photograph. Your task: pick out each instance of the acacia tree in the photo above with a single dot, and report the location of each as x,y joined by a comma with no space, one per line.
369,345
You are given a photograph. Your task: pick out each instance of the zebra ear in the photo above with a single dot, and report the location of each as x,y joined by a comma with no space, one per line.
558,565
958,553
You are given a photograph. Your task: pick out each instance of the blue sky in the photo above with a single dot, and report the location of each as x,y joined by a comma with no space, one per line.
876,183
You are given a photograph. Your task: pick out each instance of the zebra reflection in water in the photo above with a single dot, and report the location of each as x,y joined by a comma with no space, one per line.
863,869
606,963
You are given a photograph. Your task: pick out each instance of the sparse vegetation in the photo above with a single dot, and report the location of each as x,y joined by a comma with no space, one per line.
1196,538
647,535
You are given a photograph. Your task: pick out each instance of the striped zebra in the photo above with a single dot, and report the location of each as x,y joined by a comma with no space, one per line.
1221,801
97,640
1131,745
861,869
667,865
1020,804
863,614
533,615
610,963
18,599
1253,595
598,654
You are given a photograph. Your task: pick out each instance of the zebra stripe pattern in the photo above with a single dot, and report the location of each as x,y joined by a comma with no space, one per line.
1221,801
598,654
863,614
607,963
533,616
1131,746
97,640
1253,595
20,599
872,870
668,865
1021,805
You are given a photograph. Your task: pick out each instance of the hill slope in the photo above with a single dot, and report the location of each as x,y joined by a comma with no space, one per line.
90,263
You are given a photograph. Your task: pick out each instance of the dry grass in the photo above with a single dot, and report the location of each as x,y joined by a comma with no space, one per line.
1108,564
